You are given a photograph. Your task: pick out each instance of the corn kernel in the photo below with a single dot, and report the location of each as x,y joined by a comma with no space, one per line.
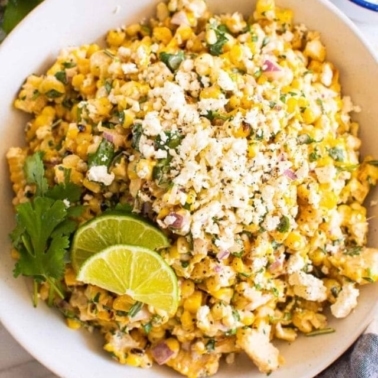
194,302
295,241
73,323
187,288
115,38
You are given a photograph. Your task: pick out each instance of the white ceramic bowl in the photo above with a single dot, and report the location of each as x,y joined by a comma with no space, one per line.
31,47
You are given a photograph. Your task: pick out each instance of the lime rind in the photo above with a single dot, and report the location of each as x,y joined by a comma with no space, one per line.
136,271
111,229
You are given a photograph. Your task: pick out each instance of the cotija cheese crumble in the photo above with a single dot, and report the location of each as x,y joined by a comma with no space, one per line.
233,136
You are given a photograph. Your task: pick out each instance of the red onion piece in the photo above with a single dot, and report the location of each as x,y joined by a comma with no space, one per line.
162,353
290,174
174,220
114,137
223,255
269,66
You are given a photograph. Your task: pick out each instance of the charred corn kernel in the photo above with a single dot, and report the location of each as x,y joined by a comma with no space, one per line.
123,303
243,131
187,321
234,102
224,294
194,302
73,323
115,37
162,34
187,288
295,241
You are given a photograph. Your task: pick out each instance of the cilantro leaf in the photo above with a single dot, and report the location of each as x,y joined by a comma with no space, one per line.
35,173
217,47
172,61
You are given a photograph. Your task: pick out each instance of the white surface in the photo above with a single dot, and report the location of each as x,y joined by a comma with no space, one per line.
357,12
14,361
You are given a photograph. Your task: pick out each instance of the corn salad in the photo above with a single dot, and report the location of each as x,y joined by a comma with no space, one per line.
232,134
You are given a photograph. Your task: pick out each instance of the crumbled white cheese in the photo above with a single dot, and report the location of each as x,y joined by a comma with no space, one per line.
99,173
346,301
308,286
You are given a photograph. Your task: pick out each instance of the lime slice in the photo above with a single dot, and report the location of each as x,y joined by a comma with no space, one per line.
106,230
138,272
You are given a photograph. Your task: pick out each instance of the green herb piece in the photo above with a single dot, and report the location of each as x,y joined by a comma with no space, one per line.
184,264
217,47
69,64
137,132
210,345
42,239
373,162
319,332
108,86
35,173
306,139
236,314
211,115
172,61
135,308
265,42
313,156
171,140
103,155
336,153
52,93
284,224
66,190
61,76
353,251
147,327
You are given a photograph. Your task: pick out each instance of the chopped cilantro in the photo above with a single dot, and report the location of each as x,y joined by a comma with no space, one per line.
61,76
172,61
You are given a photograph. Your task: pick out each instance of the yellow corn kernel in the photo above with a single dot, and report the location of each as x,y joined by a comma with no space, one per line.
183,245
77,81
224,294
115,38
92,48
173,345
295,241
187,321
103,106
92,186
263,6
317,257
328,199
83,66
262,79
310,115
247,318
123,303
236,54
194,302
73,323
51,87
162,34
184,32
187,288
163,212
133,30
72,131
284,16
234,102
162,11
129,117
243,131
144,169
70,276
133,360
252,150
212,284
211,92
238,265
103,315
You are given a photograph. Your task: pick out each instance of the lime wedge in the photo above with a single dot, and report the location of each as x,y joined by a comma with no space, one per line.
106,230
138,272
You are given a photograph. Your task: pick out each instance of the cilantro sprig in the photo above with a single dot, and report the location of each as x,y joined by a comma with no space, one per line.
43,228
